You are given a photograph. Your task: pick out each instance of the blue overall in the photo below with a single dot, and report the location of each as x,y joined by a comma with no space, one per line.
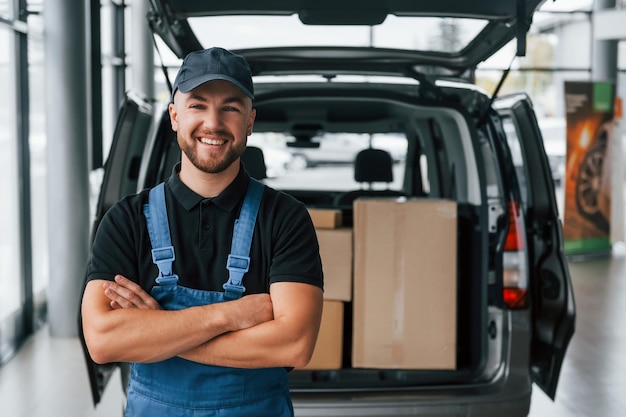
180,388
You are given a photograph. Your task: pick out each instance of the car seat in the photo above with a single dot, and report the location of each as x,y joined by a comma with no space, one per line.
370,166
254,162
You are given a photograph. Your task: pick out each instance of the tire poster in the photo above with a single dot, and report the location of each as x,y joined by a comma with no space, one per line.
589,126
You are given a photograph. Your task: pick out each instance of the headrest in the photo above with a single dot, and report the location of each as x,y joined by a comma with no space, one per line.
254,162
373,165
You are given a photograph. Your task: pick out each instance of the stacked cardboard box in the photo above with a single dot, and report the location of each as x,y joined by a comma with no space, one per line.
328,349
336,253
326,218
400,273
404,284
337,256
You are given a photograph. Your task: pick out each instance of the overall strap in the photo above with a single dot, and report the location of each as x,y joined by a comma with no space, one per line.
159,231
239,258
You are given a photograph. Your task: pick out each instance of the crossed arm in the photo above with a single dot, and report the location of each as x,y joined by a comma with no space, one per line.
122,322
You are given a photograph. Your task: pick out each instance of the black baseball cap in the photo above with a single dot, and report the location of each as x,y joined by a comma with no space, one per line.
212,64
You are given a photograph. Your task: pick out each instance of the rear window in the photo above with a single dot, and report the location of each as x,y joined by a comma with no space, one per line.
326,161
441,34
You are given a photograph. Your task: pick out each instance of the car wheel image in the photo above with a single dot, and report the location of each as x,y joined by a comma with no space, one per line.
589,182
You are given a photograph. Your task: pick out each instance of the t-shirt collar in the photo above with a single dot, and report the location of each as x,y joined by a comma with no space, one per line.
226,200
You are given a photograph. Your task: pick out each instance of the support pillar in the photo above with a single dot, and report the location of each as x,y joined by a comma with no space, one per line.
604,52
67,115
604,68
142,52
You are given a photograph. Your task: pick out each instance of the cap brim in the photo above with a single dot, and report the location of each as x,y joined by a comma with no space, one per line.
188,85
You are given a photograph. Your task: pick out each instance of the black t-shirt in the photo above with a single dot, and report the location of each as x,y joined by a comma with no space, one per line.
284,245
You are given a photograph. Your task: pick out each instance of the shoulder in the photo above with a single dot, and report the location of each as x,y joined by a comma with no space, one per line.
281,200
129,204
126,212
120,240
284,208
285,215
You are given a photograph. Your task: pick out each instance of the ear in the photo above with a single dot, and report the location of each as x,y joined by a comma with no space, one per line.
173,116
251,122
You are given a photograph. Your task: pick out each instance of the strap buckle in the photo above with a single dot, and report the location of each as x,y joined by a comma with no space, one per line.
163,258
238,264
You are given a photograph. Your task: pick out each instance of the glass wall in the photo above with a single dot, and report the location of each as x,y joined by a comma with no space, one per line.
115,43
38,166
11,297
22,140
6,8
548,62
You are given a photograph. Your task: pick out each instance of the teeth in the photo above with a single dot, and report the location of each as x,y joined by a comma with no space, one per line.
211,141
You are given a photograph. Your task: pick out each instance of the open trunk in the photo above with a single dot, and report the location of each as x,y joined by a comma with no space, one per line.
436,132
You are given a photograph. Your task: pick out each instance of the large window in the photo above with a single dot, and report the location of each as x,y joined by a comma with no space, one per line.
38,166
548,62
6,8
10,255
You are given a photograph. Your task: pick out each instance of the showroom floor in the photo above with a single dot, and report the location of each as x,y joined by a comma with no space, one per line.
593,377
47,377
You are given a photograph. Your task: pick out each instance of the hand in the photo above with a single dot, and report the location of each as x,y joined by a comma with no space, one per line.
124,293
249,311
242,313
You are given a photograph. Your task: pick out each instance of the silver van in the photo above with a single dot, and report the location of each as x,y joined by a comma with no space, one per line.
395,76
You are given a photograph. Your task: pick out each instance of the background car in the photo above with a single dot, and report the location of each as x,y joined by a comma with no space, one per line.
508,314
329,148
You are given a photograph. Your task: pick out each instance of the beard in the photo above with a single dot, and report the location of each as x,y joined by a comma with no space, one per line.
213,165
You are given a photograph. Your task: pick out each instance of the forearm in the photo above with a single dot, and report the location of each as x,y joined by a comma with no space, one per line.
135,335
266,345
121,322
288,340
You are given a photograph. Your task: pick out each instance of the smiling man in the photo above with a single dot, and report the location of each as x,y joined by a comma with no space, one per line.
210,284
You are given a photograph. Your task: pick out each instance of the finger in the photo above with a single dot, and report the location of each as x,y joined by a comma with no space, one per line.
116,290
136,293
128,284
112,294
125,291
121,295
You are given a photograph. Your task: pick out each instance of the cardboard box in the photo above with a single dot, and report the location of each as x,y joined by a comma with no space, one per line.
405,276
326,218
329,347
337,258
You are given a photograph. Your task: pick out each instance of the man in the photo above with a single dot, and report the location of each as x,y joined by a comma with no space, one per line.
168,267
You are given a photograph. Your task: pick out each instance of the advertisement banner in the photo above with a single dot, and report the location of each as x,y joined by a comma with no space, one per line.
589,124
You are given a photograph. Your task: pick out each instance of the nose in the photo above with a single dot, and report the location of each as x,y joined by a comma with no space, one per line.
211,118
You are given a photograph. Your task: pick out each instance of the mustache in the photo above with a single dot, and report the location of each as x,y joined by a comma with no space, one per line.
218,134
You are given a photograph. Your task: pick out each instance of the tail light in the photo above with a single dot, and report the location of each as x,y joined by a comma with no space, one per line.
514,260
